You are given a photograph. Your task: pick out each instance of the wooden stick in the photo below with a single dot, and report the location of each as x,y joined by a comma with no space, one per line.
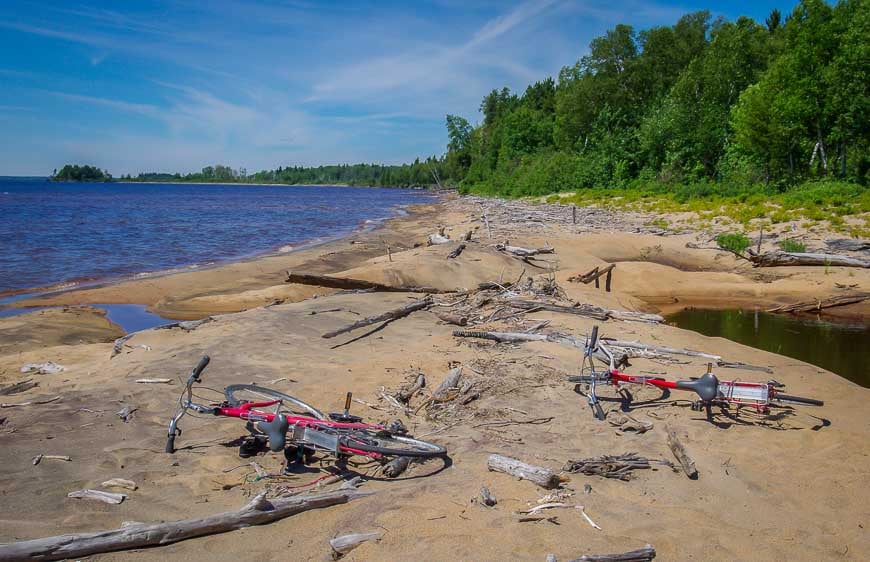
120,483
258,512
644,554
99,495
388,316
451,381
524,252
543,477
32,403
450,318
581,310
353,284
40,457
680,452
154,381
456,251
405,394
17,387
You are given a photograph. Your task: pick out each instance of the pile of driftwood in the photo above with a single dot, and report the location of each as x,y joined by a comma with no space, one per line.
613,466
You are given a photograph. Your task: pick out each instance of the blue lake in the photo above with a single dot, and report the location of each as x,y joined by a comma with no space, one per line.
54,233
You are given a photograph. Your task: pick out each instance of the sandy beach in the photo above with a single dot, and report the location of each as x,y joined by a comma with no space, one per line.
773,488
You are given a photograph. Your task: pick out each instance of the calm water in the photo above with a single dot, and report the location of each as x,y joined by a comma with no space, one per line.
840,348
61,232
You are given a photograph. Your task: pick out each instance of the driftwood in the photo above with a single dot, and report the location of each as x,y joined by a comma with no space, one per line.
456,251
353,284
777,259
119,344
524,252
635,316
120,483
137,535
186,325
396,466
744,366
405,394
522,337
610,466
32,402
451,318
388,316
344,544
47,368
543,477
126,413
435,239
644,554
580,310
660,349
450,382
848,244
40,457
680,453
154,381
830,302
99,495
17,387
486,497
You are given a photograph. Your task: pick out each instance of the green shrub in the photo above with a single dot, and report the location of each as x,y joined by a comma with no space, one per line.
733,242
792,246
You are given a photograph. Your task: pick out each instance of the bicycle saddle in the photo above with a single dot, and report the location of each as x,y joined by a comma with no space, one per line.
707,387
276,430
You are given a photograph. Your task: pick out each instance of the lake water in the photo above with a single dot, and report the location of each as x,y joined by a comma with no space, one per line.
841,348
53,233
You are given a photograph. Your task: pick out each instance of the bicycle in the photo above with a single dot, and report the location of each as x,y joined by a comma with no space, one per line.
710,390
296,427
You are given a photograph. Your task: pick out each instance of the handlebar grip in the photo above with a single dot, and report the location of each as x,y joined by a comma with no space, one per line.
593,339
200,366
170,444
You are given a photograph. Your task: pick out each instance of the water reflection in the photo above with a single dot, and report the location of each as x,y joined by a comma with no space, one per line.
840,348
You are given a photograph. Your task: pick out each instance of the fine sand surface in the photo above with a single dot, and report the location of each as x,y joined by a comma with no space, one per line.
788,487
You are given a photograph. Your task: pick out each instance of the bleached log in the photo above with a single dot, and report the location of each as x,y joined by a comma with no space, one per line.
848,244
645,554
830,302
524,252
396,467
347,283
435,239
451,381
154,381
486,497
635,316
344,544
388,316
120,483
47,368
137,535
40,457
541,476
405,394
98,495
450,318
777,259
680,453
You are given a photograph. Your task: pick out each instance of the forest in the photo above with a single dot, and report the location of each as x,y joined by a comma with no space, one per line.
74,172
702,107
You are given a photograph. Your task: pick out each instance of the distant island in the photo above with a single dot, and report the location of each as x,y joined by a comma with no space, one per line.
74,172
420,173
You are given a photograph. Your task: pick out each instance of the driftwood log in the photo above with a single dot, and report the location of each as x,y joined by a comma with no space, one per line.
486,497
848,244
396,467
258,512
644,554
388,316
524,252
777,259
456,251
660,349
522,337
543,477
435,239
680,453
450,382
17,387
98,495
344,544
451,318
405,394
353,284
830,302
609,466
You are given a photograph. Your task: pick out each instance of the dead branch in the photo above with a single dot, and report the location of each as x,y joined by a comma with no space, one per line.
580,310
388,316
353,284
830,302
645,554
610,466
258,512
680,452
456,251
778,259
17,387
660,349
524,252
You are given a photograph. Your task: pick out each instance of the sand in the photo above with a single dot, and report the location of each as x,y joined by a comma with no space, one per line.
788,487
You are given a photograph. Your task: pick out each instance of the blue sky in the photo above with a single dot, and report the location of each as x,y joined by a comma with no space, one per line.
175,85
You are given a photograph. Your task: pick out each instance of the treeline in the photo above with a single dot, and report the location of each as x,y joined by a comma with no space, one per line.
703,102
427,172
74,172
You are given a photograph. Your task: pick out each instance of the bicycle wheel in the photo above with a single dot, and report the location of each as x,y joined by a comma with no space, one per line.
797,400
238,394
386,443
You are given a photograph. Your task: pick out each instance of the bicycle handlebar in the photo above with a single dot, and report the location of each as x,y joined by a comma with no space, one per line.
203,363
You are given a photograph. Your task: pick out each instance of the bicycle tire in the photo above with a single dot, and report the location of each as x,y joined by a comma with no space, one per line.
307,409
798,399
386,443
